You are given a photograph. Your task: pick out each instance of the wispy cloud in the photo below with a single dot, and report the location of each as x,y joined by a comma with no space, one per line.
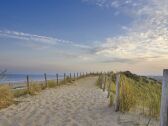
126,5
145,41
146,38
29,37
39,41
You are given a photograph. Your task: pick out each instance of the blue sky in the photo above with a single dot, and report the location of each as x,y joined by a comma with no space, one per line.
83,35
75,21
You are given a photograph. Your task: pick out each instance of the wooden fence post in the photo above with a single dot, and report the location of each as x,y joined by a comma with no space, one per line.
64,76
104,88
101,85
109,89
45,77
70,75
117,92
57,78
28,84
9,85
74,76
164,100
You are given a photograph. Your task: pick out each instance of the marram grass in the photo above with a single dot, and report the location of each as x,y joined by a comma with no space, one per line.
137,93
6,96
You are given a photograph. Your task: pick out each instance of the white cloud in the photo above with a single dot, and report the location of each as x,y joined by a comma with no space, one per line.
145,42
39,41
28,37
146,39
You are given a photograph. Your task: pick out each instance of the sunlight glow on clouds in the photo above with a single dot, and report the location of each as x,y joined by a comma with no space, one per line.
146,39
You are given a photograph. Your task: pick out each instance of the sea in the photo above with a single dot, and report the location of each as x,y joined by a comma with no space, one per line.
21,78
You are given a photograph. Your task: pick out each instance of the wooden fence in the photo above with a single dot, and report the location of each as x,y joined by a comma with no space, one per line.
59,78
164,96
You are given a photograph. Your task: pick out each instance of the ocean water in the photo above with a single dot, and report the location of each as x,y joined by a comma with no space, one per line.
21,78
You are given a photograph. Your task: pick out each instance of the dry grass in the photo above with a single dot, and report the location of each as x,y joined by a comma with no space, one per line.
20,92
6,96
142,94
136,93
128,94
35,88
52,84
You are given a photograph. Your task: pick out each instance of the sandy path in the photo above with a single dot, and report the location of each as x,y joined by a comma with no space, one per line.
80,104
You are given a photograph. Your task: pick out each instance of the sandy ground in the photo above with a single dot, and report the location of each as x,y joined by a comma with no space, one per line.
79,104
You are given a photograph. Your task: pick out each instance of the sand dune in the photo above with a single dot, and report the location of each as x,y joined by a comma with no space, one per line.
79,104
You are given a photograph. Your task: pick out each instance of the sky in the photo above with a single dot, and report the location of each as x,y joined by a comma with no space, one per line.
84,35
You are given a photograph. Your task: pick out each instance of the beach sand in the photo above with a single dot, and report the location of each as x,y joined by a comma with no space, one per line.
78,104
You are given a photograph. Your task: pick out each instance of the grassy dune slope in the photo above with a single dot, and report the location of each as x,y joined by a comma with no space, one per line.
137,93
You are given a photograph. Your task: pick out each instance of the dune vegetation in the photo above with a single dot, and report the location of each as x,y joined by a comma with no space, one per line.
6,96
137,93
